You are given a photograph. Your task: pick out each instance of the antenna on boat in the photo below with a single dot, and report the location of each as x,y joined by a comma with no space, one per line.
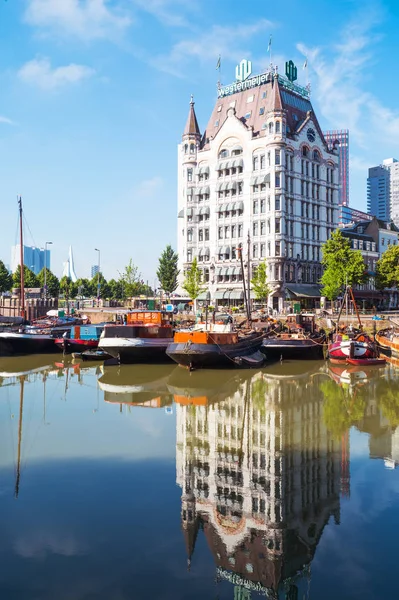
21,260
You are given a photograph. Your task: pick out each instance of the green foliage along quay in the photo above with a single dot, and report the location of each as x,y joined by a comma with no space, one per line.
167,270
259,282
342,266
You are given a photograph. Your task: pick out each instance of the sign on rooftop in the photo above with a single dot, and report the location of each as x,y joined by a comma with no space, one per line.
245,80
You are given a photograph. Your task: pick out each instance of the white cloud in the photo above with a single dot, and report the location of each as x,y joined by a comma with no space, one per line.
341,84
148,187
169,12
6,121
41,544
40,73
226,41
86,19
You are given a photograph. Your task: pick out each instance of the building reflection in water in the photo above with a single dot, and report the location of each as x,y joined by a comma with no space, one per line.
261,476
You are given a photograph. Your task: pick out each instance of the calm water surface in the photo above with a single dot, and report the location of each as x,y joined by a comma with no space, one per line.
152,483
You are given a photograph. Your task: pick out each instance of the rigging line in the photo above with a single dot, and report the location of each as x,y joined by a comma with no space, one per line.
25,221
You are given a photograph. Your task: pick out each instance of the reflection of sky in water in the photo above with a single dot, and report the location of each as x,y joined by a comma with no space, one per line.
99,512
79,423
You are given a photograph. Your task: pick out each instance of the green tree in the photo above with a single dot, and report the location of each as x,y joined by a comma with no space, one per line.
52,282
131,279
83,286
5,278
388,269
341,265
104,288
259,282
68,288
193,281
116,289
167,271
30,279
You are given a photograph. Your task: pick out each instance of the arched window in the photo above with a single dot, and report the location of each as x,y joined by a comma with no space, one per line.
223,153
236,151
277,126
189,235
270,127
189,255
305,151
316,155
192,148
185,148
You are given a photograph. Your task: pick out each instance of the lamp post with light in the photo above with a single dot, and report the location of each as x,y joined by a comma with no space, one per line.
45,268
98,276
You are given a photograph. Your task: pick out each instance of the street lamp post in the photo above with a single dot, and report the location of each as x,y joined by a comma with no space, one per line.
45,268
98,276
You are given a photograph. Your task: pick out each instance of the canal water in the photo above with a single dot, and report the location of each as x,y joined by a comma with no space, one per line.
148,482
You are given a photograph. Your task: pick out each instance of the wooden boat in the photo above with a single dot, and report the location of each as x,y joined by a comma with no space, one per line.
80,338
350,346
216,345
143,339
301,339
388,341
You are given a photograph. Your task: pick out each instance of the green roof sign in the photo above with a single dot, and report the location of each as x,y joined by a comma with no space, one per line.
291,71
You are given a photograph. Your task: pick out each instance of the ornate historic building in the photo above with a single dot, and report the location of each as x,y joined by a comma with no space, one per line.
261,176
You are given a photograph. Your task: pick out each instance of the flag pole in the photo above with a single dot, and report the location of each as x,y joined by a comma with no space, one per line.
218,68
269,49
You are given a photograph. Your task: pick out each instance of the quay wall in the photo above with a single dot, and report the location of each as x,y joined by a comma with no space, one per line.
35,307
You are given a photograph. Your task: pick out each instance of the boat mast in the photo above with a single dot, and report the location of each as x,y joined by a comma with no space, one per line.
239,250
249,277
21,260
356,309
21,408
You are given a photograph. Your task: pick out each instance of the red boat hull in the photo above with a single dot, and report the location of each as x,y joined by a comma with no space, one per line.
343,349
70,345
365,361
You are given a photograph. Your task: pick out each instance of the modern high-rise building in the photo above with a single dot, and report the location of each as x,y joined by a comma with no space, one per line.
261,476
34,258
260,175
93,271
341,137
383,191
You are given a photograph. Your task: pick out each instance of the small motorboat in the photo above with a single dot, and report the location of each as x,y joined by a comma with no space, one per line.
92,355
217,345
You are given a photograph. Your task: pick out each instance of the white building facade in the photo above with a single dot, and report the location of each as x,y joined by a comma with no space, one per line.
260,176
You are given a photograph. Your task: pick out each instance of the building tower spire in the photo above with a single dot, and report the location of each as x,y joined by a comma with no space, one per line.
192,130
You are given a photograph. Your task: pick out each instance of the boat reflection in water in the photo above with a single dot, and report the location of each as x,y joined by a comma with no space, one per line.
261,476
137,385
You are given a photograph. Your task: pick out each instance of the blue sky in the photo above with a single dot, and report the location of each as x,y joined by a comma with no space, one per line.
94,98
